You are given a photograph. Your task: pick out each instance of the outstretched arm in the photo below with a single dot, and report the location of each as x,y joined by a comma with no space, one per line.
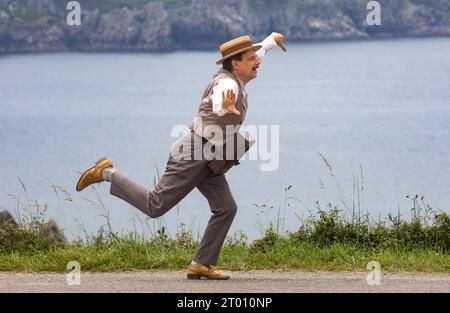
275,39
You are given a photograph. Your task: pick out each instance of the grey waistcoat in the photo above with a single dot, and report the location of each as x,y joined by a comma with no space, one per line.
206,120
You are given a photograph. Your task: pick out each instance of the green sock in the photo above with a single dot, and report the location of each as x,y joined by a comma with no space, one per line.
107,173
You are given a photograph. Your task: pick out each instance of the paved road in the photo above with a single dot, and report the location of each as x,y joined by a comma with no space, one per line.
241,282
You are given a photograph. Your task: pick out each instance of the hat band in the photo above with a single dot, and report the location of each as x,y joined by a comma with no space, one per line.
233,49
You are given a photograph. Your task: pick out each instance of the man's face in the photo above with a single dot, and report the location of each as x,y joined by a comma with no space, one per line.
247,69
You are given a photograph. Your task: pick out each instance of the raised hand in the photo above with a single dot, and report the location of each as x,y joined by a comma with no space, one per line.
229,102
279,39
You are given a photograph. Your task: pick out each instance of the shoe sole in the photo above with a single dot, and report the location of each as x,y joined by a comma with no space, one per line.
198,277
82,176
193,277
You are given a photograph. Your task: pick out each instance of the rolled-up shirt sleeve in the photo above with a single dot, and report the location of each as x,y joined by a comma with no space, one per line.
222,86
267,44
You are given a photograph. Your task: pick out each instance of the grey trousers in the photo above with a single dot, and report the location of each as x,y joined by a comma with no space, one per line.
180,178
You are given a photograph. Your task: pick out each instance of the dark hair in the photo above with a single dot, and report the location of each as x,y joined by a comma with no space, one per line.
227,65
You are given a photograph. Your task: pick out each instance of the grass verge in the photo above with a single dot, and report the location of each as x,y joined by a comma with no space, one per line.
284,255
329,240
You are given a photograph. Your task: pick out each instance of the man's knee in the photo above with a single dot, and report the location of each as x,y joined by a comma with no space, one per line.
233,208
228,208
159,210
154,214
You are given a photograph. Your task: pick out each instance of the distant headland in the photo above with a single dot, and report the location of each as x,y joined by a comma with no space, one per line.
169,25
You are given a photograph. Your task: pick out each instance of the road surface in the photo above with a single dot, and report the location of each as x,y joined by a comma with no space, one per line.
241,282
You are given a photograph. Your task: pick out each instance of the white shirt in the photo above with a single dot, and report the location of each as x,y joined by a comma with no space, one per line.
227,83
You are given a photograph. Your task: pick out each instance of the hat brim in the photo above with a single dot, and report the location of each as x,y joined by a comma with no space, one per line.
254,48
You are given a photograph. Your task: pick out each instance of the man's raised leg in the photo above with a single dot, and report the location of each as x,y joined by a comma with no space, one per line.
179,179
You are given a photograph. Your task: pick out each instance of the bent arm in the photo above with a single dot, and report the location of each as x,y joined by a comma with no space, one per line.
275,39
222,87
267,44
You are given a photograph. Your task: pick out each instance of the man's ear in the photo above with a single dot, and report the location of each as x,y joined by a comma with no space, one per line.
234,63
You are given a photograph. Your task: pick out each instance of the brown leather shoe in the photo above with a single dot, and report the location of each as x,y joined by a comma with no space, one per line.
94,174
205,271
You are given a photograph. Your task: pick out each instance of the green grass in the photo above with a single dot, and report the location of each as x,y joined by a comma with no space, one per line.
323,243
330,239
282,256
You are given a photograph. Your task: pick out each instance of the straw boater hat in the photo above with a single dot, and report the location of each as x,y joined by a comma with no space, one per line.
236,46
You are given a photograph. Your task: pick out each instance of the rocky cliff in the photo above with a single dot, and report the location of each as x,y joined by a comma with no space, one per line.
152,25
34,234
